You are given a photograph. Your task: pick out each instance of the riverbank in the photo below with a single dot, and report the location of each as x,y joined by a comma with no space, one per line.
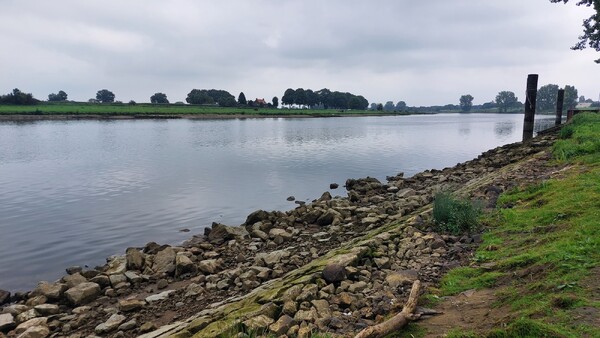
335,265
70,111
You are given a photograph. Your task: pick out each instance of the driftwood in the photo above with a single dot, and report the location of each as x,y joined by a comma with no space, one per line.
398,321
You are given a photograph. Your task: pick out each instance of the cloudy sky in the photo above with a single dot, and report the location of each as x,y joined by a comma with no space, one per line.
423,52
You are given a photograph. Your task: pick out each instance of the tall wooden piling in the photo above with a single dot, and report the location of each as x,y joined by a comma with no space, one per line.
560,99
530,98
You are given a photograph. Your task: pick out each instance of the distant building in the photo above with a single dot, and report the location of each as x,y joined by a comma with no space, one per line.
260,102
583,105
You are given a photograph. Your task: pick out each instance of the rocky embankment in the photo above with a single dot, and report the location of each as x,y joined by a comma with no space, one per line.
335,265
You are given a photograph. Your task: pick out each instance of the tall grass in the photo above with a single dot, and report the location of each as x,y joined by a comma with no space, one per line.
455,215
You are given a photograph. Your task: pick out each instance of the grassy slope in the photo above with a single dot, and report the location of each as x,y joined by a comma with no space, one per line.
140,109
551,232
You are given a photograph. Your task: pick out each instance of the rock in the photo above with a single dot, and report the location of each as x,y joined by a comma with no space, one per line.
272,258
158,297
322,307
291,198
83,293
184,265
400,278
74,269
50,291
4,297
221,233
275,232
152,248
334,273
257,216
382,262
116,264
357,287
134,259
164,261
111,324
130,325
327,218
325,197
193,290
405,193
37,300
333,186
282,325
259,323
126,305
7,322
35,322
306,315
47,309
35,332
162,283
133,277
117,279
15,309
74,279
209,266
101,280
147,327
27,316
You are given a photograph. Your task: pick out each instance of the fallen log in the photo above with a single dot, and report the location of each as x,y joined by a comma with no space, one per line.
398,321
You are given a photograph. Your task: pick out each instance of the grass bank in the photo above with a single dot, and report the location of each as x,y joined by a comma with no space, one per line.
122,109
541,253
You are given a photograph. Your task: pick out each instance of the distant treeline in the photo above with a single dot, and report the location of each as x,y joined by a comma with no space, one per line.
18,97
324,98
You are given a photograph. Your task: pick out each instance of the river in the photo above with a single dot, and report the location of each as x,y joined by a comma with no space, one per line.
76,192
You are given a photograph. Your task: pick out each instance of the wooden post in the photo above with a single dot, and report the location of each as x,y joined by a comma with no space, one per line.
530,98
570,114
559,106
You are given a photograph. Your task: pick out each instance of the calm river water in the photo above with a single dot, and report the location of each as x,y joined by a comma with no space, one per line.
76,192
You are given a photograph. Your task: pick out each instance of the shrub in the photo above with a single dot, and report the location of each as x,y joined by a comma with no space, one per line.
455,215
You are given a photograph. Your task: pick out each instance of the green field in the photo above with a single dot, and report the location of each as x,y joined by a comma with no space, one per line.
121,109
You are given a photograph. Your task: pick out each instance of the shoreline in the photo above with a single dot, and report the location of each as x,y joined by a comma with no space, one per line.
273,249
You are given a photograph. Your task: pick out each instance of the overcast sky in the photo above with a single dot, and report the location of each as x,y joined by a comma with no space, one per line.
422,52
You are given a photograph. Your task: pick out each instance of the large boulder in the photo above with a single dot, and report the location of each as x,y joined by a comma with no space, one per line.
134,259
74,279
333,273
164,261
257,216
363,185
83,293
184,265
272,258
220,233
400,278
7,322
210,266
52,291
111,324
4,297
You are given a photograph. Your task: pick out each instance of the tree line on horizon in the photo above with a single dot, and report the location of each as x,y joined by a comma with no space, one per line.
506,101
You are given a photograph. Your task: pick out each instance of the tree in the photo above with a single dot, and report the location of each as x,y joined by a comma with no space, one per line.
374,106
506,100
379,107
570,101
275,102
227,101
401,106
105,96
389,106
300,98
288,97
18,97
546,98
591,27
197,96
159,98
242,99
60,96
466,102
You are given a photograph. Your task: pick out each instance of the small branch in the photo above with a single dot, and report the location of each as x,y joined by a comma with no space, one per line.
398,321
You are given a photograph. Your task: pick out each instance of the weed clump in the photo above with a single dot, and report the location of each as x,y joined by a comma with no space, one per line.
455,215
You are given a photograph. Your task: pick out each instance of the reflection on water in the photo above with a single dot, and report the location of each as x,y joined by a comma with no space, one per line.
75,192
504,128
